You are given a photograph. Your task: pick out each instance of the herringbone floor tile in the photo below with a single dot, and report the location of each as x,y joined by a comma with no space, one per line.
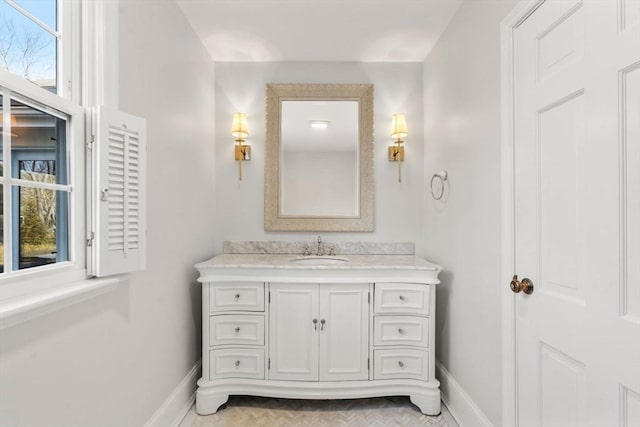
249,411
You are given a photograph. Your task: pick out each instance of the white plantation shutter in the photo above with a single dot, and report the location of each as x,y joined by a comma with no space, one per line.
119,193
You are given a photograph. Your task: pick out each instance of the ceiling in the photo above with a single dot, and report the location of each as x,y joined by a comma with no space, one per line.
319,30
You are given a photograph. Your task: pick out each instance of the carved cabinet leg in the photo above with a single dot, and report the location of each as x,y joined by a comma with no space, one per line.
429,404
209,403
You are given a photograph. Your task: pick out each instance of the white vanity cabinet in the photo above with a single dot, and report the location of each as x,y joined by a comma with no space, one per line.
318,332
277,329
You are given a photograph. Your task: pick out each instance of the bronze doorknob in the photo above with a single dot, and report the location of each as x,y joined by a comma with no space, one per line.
526,285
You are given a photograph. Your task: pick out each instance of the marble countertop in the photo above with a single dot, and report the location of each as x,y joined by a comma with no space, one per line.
287,262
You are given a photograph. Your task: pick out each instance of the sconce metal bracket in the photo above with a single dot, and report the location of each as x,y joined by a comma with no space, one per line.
243,152
396,154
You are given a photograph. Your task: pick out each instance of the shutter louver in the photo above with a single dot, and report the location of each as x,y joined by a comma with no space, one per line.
119,206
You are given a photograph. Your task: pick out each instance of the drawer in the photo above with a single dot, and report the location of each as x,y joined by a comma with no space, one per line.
401,298
236,363
244,296
400,363
236,329
401,330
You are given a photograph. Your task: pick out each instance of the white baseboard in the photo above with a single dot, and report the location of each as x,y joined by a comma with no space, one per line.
173,410
459,403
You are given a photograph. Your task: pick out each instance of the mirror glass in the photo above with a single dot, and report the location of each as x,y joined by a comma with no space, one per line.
319,157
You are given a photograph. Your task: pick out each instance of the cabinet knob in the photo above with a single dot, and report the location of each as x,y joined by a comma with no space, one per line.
322,322
401,363
237,363
400,331
315,324
237,297
402,298
237,329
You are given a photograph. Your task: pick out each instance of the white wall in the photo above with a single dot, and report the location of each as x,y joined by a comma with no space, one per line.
241,87
113,360
462,134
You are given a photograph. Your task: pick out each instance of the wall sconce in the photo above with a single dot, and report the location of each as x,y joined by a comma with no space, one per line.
398,131
239,131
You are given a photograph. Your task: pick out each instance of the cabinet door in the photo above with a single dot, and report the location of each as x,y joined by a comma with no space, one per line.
344,334
293,337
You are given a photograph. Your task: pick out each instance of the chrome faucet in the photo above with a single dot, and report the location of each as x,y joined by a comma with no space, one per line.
320,250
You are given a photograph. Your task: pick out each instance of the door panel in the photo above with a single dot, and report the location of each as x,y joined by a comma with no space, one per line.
562,388
577,213
344,337
630,407
293,342
629,14
561,43
630,88
561,135
550,211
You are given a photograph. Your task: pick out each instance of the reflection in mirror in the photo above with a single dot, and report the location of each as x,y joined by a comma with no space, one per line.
319,168
319,157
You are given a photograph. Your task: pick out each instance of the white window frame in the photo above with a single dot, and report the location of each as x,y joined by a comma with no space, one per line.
67,32
17,155
75,268
87,75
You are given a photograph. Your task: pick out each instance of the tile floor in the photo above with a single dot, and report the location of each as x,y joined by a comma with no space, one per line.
249,411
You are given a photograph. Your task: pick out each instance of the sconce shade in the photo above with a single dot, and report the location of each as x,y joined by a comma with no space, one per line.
239,125
398,126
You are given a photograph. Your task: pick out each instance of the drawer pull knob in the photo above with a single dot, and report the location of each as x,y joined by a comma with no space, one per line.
322,322
315,324
400,363
402,298
237,363
401,331
237,297
237,329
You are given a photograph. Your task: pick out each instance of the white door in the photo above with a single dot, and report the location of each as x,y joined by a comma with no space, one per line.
293,334
577,213
344,327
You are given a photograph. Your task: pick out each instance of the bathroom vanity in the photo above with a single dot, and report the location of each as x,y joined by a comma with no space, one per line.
318,327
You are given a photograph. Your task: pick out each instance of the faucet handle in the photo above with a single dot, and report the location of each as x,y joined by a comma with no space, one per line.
332,250
306,251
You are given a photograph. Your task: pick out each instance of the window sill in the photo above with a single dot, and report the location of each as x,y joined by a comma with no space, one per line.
27,307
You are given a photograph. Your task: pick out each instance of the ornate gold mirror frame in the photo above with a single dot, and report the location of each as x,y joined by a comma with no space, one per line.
275,95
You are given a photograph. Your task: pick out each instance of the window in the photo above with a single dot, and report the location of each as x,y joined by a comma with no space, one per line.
70,207
37,165
33,42
35,185
42,179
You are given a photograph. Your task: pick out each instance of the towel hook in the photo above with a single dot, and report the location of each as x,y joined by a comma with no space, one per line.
442,177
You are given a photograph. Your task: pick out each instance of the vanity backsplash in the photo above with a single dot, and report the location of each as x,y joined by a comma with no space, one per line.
339,248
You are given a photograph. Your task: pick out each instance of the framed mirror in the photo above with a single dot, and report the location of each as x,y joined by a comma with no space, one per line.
319,157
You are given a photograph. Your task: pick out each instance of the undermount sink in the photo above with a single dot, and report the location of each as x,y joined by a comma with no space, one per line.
316,259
